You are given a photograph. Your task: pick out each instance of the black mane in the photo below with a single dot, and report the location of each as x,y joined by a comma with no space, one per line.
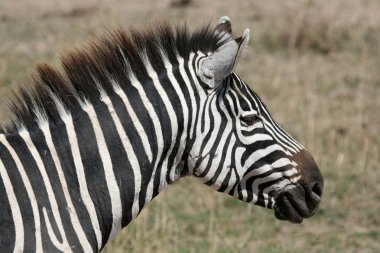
100,61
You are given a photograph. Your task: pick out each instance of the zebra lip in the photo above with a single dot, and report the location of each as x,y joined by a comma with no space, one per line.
284,210
290,205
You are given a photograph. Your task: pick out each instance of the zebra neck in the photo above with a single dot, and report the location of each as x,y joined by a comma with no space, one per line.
87,177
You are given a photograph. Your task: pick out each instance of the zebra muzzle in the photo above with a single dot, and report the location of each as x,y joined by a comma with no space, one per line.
290,206
303,198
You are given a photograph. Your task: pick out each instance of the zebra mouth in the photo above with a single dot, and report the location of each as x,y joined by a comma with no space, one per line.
294,204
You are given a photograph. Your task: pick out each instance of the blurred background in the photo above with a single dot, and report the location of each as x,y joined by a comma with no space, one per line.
316,64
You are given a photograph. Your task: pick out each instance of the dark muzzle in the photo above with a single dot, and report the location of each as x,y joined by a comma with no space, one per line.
301,200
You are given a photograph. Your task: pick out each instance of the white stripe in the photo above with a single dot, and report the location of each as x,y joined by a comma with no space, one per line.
280,185
15,210
131,112
226,165
174,130
195,149
157,127
129,151
263,169
272,177
83,190
282,162
228,156
232,181
29,190
136,120
246,140
258,154
289,137
216,159
112,186
202,166
172,79
217,124
53,238
190,88
64,246
44,126
201,134
278,137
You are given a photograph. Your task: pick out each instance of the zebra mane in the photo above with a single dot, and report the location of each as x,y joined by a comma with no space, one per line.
96,67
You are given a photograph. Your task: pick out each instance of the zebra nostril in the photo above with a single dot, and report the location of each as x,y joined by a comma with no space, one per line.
317,189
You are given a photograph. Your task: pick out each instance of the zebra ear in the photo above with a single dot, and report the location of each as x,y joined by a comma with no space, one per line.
224,26
219,64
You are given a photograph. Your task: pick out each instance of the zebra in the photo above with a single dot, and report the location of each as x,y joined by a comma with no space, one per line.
131,113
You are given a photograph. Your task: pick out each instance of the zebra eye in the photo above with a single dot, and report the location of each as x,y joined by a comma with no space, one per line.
250,120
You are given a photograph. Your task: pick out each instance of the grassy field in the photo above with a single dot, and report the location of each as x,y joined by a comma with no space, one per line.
316,64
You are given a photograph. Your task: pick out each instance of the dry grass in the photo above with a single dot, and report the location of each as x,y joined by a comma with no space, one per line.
324,55
321,26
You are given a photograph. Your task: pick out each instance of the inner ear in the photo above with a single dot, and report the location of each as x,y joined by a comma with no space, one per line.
220,63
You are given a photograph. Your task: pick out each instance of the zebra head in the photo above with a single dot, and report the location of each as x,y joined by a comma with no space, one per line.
238,147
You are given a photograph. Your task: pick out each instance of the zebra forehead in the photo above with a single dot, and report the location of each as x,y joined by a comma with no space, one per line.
103,61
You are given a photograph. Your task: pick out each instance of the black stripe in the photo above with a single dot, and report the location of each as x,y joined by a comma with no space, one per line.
39,142
192,85
94,171
262,187
261,145
63,149
7,235
222,153
136,143
38,187
121,166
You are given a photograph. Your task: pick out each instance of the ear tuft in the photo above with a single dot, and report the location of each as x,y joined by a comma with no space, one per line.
243,42
224,19
224,25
